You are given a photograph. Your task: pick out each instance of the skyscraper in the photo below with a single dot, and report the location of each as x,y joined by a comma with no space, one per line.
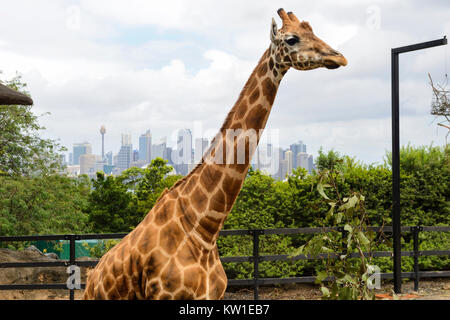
311,163
183,156
62,160
159,149
184,146
125,155
145,147
87,164
168,155
278,157
109,158
288,156
79,149
263,158
135,155
303,161
296,148
283,169
201,145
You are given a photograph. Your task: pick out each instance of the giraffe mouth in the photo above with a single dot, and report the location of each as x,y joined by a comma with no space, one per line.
335,62
331,64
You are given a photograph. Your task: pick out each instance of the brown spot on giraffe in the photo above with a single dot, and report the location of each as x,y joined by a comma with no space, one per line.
210,226
262,70
254,96
269,89
171,237
240,113
183,295
172,253
154,265
152,289
256,116
231,187
122,286
171,277
210,176
218,201
278,58
199,199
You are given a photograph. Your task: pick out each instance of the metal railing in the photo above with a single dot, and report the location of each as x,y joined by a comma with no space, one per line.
255,258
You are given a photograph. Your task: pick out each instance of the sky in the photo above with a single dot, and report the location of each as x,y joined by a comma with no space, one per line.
136,65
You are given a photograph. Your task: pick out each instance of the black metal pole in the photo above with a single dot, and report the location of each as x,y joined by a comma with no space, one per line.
415,231
255,263
72,261
396,220
396,223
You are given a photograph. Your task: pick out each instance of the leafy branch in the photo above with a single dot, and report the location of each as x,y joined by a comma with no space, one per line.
342,276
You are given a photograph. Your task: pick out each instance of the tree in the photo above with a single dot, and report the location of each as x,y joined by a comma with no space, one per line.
49,204
118,204
329,160
22,151
110,206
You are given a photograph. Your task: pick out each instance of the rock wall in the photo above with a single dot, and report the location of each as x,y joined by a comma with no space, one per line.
39,275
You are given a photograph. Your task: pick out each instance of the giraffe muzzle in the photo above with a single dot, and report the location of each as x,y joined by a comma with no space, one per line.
335,61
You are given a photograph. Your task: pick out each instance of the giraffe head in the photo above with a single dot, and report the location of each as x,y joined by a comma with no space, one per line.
295,45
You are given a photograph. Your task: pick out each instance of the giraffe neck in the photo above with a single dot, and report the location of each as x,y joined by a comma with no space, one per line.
208,193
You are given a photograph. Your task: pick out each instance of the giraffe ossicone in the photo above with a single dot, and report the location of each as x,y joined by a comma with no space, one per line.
172,253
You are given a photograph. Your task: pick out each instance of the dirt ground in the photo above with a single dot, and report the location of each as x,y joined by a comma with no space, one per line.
432,289
429,289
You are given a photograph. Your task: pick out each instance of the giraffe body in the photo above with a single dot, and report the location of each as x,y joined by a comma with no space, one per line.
157,261
172,253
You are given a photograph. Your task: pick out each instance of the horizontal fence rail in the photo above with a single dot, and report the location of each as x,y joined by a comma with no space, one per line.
255,258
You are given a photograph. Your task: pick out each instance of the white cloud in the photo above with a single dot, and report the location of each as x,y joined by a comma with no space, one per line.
198,55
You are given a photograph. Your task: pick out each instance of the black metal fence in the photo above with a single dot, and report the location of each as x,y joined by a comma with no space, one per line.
255,258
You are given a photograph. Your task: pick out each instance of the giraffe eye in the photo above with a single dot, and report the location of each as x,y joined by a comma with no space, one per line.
292,41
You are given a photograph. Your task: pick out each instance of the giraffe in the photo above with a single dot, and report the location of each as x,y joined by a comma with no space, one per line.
172,253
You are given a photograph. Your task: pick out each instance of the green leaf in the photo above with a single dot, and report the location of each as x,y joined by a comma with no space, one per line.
322,275
349,279
348,228
325,291
352,201
362,238
322,193
331,211
327,250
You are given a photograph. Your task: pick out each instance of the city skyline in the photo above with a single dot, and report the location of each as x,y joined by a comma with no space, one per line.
268,157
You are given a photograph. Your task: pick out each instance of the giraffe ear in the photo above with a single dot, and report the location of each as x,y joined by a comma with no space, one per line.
274,32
